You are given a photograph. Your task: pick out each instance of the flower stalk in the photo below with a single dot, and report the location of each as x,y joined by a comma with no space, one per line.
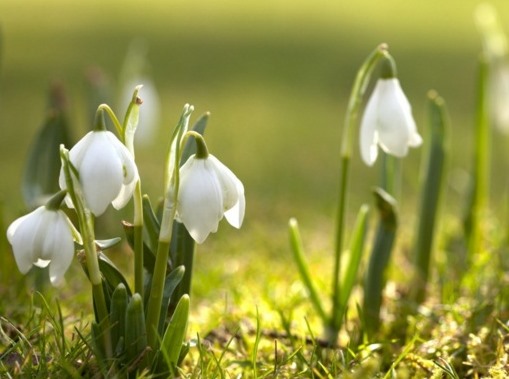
166,231
86,226
127,136
351,118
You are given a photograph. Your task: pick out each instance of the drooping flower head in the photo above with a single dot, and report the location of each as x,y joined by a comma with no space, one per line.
208,191
387,121
43,237
106,169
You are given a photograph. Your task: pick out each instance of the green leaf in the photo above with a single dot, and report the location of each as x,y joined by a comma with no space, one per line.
479,185
302,265
118,309
379,259
431,188
182,253
111,274
97,337
354,258
108,244
171,282
173,339
42,170
151,226
135,332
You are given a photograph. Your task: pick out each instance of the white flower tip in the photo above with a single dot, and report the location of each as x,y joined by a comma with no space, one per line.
415,140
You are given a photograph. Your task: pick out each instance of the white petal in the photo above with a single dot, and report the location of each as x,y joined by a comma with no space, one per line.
200,201
227,180
235,215
62,249
130,172
129,169
396,125
41,263
125,194
21,234
101,174
368,134
76,155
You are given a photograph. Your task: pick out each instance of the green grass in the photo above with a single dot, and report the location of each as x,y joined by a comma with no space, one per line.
275,76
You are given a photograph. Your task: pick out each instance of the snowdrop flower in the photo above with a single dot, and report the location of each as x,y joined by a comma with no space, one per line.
387,121
41,238
107,172
208,190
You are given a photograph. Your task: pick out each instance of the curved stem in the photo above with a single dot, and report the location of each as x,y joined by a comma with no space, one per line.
354,104
113,118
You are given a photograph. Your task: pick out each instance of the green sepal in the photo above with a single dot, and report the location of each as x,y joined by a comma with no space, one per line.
118,309
135,332
172,343
42,170
170,284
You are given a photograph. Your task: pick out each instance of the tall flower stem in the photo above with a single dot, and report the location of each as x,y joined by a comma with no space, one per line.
354,104
138,239
126,132
166,231
86,225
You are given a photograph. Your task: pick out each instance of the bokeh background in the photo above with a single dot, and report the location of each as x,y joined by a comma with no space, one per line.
275,75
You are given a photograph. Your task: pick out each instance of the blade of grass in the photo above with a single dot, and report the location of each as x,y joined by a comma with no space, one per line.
352,265
303,267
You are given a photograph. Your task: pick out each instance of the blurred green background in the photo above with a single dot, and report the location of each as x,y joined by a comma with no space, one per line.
275,76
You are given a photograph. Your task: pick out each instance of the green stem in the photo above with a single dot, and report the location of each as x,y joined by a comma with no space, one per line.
354,104
172,182
390,180
163,251
138,240
86,224
156,294
113,117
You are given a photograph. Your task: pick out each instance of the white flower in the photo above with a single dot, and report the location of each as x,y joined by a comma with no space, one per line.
107,172
41,238
388,122
208,190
